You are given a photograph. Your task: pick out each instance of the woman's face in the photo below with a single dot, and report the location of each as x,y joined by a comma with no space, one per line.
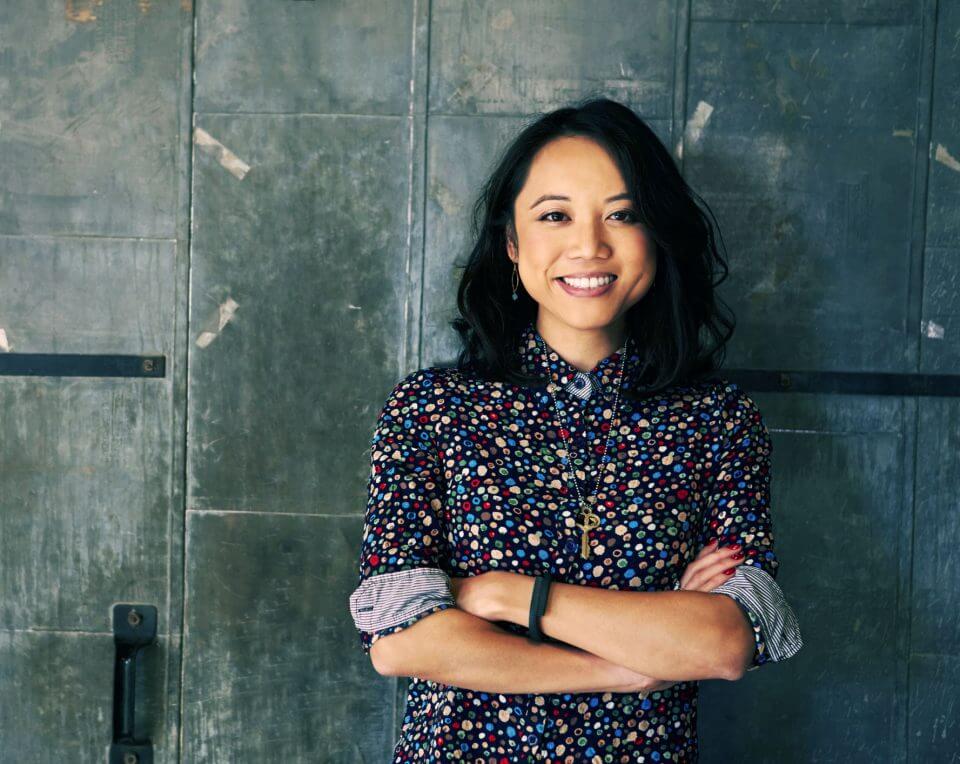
580,227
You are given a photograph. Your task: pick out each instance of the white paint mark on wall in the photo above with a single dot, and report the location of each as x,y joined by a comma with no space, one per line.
904,133
694,128
502,20
236,166
223,317
696,123
82,11
354,307
943,156
4,344
932,330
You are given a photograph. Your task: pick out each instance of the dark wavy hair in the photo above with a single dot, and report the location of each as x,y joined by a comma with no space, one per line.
681,333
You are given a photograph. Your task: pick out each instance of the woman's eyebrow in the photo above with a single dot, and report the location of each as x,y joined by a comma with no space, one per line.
546,197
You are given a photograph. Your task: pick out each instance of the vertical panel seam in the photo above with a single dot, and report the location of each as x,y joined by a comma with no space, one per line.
186,381
924,122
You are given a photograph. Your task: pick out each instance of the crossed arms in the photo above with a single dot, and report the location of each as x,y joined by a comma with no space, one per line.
672,635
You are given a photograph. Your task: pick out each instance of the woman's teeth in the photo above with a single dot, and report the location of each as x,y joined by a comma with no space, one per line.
587,283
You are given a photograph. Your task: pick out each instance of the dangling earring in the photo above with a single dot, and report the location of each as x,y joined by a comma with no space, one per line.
515,280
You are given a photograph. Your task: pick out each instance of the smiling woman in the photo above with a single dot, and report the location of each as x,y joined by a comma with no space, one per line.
584,439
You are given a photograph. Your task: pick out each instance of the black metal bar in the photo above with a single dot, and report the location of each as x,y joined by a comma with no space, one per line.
848,382
758,380
134,627
81,365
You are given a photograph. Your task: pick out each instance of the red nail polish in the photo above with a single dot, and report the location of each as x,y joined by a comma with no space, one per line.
728,572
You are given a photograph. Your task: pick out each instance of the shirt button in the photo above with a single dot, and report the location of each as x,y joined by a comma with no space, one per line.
578,382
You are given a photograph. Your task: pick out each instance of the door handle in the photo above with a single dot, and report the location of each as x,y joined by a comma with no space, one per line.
134,627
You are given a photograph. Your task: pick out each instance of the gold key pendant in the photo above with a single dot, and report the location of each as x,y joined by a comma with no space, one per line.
590,521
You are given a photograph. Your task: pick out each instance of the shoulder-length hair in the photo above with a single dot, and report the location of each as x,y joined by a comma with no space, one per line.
680,332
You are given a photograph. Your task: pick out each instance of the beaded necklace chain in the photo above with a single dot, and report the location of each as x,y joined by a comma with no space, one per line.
590,519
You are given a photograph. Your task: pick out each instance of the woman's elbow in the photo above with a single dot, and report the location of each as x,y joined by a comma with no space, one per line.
379,658
741,646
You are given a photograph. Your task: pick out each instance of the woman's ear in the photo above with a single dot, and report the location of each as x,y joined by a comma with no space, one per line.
511,243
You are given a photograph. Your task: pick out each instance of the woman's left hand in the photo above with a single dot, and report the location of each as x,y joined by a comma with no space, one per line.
477,594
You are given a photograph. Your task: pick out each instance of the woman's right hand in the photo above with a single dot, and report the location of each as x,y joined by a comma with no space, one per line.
703,574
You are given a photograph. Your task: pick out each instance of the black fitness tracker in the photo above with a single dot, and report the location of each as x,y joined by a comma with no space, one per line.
538,605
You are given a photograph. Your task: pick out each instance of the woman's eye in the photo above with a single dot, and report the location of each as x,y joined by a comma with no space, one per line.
629,213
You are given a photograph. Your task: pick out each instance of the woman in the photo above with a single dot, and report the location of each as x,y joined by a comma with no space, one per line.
581,438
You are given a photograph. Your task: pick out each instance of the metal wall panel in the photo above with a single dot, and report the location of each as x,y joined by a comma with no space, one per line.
89,102
505,57
268,677
806,155
92,261
306,257
304,57
940,327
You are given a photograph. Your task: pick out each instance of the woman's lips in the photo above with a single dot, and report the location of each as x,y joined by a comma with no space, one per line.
571,290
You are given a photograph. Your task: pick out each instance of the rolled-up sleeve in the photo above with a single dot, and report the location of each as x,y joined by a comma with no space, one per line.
401,578
737,510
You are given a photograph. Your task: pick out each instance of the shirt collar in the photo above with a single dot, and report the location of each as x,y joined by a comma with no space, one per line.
561,373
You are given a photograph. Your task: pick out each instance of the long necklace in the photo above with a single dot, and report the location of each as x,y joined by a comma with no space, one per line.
590,519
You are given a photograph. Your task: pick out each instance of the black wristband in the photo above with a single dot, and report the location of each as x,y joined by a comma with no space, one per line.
538,605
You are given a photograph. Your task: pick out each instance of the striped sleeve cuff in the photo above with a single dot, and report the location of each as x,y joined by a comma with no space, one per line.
775,626
392,599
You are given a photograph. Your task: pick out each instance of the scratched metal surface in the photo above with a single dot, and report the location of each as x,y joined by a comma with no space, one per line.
92,260
809,174
271,666
88,117
941,282
499,58
934,731
304,57
317,246
337,151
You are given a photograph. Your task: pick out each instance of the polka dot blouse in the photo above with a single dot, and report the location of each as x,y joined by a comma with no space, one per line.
467,477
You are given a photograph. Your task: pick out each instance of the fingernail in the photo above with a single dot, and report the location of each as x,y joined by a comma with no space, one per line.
733,546
736,556
728,572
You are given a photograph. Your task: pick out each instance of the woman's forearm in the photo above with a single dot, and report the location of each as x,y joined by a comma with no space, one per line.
456,648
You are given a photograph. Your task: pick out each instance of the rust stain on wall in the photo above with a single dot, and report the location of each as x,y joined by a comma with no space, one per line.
81,11
186,5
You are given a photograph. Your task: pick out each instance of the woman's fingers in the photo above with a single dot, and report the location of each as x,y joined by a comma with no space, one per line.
708,569
708,548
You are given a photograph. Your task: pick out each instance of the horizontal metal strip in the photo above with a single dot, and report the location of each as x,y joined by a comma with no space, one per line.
81,365
756,380
849,382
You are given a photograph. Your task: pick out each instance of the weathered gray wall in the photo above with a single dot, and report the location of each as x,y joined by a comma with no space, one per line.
273,194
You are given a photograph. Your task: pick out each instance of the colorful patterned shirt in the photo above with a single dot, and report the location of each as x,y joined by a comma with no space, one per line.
467,476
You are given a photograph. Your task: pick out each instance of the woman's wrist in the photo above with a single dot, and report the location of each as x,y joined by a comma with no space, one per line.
512,596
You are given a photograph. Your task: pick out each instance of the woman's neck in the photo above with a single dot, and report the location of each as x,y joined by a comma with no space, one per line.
581,348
